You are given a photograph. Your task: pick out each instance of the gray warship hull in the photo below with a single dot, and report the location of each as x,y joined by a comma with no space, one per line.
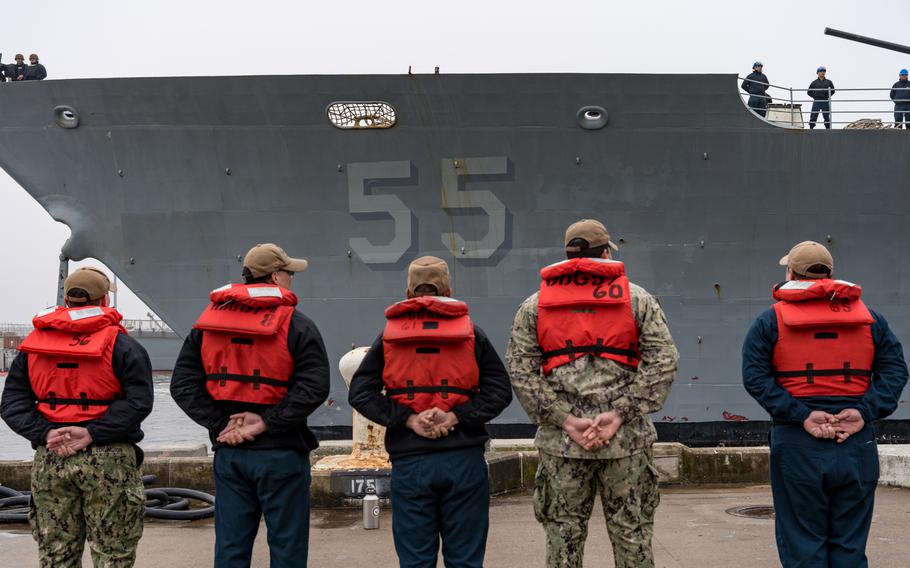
169,181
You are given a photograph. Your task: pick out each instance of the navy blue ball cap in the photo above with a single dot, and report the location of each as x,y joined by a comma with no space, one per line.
757,64
820,69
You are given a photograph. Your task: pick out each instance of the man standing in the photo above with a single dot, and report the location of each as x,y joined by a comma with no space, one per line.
35,71
900,94
590,358
79,392
825,367
821,90
251,371
442,381
756,84
17,70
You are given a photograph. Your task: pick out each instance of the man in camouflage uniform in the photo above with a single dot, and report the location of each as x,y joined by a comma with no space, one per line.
588,373
78,392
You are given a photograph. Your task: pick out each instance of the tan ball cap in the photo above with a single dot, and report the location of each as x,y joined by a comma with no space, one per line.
267,258
92,280
806,255
590,230
429,270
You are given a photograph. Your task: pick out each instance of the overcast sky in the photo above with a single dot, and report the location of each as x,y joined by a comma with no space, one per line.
168,38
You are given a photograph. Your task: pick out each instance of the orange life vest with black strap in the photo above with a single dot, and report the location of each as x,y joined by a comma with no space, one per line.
428,347
824,342
584,308
70,362
245,343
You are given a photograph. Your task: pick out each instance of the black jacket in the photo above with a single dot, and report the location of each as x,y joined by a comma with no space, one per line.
35,72
367,398
14,70
286,422
756,84
900,92
121,421
818,89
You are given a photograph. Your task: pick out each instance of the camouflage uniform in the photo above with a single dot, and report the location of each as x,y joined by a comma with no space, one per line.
97,494
569,476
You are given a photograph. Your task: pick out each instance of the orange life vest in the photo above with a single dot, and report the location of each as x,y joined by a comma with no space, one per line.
584,308
428,347
70,362
824,343
245,343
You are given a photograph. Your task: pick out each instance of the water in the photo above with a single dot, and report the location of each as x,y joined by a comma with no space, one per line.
167,424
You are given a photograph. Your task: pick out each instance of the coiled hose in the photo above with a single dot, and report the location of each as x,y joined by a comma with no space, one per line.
169,503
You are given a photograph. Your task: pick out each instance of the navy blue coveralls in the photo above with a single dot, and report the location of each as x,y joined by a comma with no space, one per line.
900,94
823,491
756,84
821,91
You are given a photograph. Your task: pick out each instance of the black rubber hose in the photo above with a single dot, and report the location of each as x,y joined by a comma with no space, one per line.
177,504
11,507
13,501
188,515
169,503
149,479
155,495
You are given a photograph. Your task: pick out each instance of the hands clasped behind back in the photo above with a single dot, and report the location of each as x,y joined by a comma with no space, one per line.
840,426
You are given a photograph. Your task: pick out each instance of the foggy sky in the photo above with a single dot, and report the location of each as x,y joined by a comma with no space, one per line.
125,39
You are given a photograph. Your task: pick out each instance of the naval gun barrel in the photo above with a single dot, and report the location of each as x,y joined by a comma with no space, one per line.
868,40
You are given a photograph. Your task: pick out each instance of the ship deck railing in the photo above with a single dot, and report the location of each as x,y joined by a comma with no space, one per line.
859,107
140,327
148,328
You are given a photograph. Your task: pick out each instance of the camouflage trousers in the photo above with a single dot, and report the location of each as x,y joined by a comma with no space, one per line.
564,494
96,494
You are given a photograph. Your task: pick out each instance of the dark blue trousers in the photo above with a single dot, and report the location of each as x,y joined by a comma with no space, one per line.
902,116
825,108
441,495
253,483
759,105
823,497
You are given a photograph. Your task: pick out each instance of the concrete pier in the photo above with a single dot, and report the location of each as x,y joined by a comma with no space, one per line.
692,530
512,465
